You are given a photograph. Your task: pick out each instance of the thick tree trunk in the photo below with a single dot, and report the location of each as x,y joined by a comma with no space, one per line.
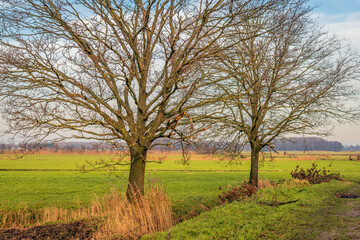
137,171
254,171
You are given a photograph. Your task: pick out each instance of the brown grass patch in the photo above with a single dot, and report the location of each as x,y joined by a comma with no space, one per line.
264,183
301,182
115,214
303,157
325,156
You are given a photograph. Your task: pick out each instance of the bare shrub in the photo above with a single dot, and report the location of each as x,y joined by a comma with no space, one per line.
315,175
241,192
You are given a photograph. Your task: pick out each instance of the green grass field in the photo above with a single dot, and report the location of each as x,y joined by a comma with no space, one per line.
40,181
54,179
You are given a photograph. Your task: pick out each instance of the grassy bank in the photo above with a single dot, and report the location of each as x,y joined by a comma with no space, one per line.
318,214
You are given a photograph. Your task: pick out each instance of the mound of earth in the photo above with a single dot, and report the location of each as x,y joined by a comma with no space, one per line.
72,230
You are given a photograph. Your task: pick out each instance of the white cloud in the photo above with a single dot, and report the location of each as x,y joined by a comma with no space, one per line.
345,26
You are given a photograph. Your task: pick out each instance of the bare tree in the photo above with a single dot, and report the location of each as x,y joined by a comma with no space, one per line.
290,79
122,72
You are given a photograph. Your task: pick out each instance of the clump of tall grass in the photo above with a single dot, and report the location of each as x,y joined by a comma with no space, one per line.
115,214
25,216
265,183
134,218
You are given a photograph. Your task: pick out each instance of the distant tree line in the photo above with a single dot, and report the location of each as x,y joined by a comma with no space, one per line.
59,147
352,148
201,147
291,144
308,144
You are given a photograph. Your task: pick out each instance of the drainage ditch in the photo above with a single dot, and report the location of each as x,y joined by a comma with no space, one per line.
348,195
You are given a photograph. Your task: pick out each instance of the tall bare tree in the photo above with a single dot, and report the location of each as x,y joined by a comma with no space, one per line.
290,79
110,70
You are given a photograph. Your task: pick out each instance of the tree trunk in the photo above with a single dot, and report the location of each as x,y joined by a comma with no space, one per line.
254,170
137,172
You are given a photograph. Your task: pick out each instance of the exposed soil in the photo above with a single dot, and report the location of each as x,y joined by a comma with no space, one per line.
348,195
354,212
351,217
72,230
354,215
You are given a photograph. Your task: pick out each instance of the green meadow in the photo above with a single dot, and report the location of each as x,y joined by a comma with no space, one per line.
43,180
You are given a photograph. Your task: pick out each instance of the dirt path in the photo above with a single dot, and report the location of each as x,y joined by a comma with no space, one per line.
349,215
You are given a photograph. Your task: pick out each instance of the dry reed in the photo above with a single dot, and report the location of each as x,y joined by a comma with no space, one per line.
116,215
143,215
301,182
265,183
303,157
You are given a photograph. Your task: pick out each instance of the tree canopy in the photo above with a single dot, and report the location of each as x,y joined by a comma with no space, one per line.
122,72
293,78
131,72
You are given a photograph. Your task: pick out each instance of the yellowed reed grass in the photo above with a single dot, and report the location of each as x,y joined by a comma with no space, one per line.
264,183
301,182
304,157
146,214
116,214
25,216
325,156
310,157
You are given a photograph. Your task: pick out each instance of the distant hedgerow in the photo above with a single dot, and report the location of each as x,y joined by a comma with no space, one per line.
315,175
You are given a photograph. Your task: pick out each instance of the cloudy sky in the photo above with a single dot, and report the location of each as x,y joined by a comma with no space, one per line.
342,17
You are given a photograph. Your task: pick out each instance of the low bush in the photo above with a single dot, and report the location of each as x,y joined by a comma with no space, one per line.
237,193
314,175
